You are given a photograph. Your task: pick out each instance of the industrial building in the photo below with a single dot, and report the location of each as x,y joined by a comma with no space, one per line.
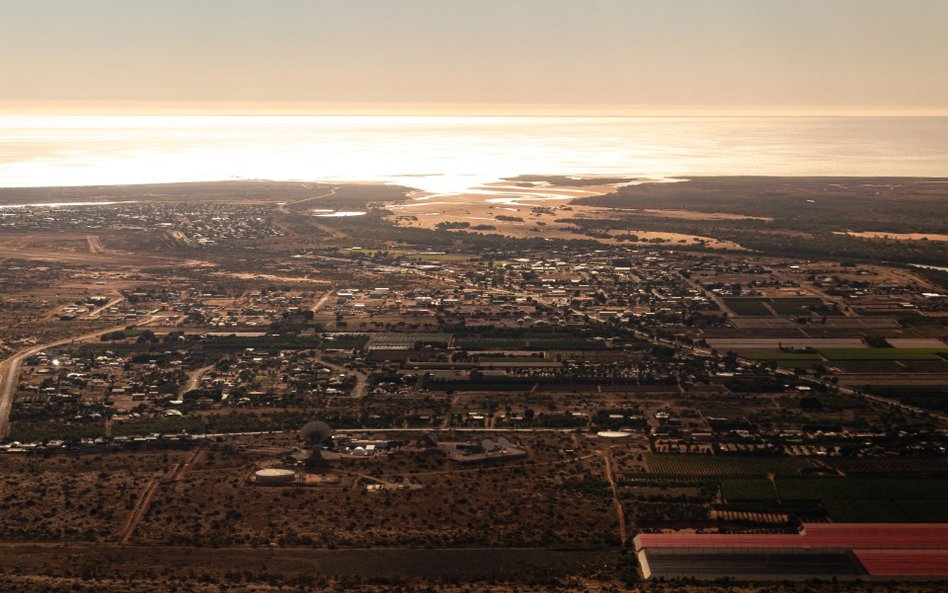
867,551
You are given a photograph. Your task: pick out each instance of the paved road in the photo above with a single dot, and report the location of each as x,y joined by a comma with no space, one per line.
325,299
194,379
361,387
95,313
362,429
331,192
10,368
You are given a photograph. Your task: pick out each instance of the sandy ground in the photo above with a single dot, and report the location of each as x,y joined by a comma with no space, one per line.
80,249
695,215
542,206
274,277
895,236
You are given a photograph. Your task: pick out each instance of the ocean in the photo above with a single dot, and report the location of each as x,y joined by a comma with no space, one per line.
442,154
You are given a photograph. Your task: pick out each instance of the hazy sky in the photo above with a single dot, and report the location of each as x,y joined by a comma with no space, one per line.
579,55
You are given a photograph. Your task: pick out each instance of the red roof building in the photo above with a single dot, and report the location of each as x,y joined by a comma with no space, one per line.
884,550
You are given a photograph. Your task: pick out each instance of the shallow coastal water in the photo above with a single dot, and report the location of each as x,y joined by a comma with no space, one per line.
456,154
64,204
339,213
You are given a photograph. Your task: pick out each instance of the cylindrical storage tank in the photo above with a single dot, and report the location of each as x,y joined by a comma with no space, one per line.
272,476
614,435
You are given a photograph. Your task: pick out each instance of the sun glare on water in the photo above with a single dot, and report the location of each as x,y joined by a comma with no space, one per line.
442,154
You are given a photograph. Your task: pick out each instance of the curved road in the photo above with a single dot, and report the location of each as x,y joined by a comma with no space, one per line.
10,368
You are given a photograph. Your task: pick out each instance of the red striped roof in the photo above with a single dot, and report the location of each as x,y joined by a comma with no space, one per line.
904,562
813,535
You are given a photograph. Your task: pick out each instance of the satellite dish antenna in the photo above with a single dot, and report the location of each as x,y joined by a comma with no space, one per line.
503,443
488,445
315,433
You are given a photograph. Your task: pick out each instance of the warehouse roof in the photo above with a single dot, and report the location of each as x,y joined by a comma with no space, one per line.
813,535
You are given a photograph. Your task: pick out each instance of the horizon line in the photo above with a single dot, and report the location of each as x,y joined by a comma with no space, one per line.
354,109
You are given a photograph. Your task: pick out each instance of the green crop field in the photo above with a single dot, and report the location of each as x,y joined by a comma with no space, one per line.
758,355
565,344
344,341
867,366
742,490
513,359
861,489
782,305
454,257
163,425
269,343
512,384
794,305
850,500
553,343
897,510
930,397
748,306
853,500
491,343
884,353
42,430
889,465
792,364
590,355
926,366
715,466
